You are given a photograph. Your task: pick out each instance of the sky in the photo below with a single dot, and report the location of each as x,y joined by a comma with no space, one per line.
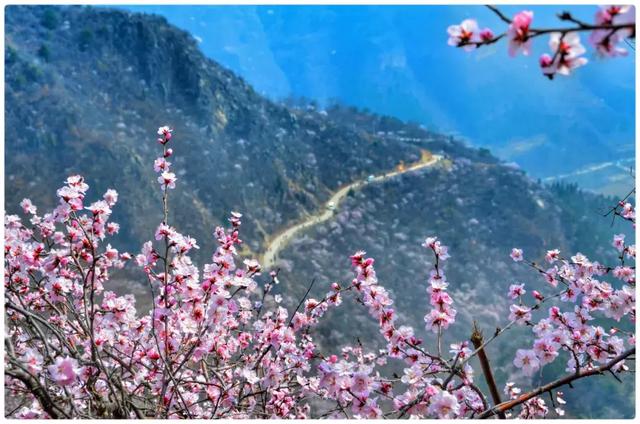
395,60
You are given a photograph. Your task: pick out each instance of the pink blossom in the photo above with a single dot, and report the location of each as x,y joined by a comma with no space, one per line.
64,371
167,180
546,350
607,14
148,255
547,65
367,409
631,251
111,197
519,33
550,276
520,314
235,219
161,165
77,182
444,405
607,42
164,231
439,319
464,35
99,208
628,211
33,360
253,266
165,132
617,15
536,294
361,384
112,228
516,255
527,361
597,353
552,255
438,248
72,196
511,390
624,273
618,242
516,290
462,349
28,207
486,34
567,49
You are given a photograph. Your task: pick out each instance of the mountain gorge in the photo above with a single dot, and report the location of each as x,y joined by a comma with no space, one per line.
87,88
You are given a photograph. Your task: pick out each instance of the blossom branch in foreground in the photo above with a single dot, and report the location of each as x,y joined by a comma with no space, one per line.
612,26
505,406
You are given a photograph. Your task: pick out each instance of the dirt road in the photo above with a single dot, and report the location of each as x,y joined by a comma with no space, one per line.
283,238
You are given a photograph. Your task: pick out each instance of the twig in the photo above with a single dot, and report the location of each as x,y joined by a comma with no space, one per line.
501,15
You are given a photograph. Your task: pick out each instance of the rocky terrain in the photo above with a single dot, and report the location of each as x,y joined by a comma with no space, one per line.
86,89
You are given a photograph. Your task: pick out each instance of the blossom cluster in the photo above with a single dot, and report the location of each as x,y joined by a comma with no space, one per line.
535,407
583,286
432,385
611,27
207,349
442,313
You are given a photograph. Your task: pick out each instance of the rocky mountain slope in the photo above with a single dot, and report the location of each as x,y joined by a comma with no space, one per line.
86,88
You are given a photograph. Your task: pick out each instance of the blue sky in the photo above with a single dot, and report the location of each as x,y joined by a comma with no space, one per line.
395,60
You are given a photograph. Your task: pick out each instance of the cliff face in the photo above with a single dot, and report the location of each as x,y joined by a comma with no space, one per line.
87,88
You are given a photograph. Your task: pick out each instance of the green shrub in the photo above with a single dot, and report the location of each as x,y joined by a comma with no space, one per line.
484,152
44,52
32,72
49,19
10,55
85,38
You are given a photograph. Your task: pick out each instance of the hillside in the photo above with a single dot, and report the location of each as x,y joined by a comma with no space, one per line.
378,57
86,88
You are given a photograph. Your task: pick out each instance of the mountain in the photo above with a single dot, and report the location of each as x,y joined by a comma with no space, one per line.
86,89
395,60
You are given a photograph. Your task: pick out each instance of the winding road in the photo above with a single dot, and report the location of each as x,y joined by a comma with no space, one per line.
283,238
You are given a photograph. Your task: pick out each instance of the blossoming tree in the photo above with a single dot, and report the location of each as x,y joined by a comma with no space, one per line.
215,345
612,27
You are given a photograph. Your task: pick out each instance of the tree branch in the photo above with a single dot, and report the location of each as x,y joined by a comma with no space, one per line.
38,391
501,15
505,406
477,340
